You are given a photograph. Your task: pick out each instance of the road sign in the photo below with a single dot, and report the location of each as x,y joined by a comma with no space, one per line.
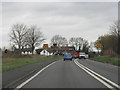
98,45
45,46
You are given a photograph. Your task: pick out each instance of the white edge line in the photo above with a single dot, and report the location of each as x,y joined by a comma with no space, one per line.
21,85
101,77
94,75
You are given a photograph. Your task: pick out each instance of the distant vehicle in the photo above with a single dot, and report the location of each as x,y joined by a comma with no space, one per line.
76,55
68,56
83,55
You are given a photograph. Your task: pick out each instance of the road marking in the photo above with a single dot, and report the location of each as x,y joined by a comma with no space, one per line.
97,76
101,76
24,83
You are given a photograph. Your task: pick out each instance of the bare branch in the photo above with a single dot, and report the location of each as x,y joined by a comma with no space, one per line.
17,34
59,40
34,37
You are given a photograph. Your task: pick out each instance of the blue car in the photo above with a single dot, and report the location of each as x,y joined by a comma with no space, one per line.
68,56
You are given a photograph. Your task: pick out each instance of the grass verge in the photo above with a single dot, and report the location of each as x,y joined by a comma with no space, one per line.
108,59
13,63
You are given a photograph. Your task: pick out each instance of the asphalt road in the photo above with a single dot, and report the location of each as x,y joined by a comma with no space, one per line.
66,74
107,70
11,78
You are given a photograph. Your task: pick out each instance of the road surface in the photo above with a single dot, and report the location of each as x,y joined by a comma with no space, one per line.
67,74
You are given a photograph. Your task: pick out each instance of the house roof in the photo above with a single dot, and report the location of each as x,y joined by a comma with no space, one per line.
38,50
23,50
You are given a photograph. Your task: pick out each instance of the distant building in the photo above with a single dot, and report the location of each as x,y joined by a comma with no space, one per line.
46,53
38,51
46,50
54,47
69,49
45,46
23,51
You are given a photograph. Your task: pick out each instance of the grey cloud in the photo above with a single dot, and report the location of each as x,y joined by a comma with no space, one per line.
87,20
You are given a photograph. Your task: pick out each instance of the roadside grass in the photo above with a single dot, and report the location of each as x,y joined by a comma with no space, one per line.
0,64
13,62
115,60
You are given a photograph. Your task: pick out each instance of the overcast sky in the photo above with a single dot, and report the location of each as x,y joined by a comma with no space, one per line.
87,20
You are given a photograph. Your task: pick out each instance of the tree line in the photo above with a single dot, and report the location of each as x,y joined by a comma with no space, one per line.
78,42
22,35
112,39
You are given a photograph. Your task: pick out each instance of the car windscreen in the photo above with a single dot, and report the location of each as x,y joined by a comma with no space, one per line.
67,54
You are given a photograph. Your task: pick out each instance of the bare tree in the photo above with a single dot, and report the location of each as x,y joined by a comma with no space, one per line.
115,32
112,40
17,34
76,42
64,41
59,40
34,37
115,29
85,46
91,46
0,50
72,41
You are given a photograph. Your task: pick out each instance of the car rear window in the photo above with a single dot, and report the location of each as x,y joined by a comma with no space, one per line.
67,54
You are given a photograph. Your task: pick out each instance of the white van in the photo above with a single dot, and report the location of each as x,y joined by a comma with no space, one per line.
83,55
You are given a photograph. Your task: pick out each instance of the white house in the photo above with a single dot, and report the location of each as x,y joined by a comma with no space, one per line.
46,53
